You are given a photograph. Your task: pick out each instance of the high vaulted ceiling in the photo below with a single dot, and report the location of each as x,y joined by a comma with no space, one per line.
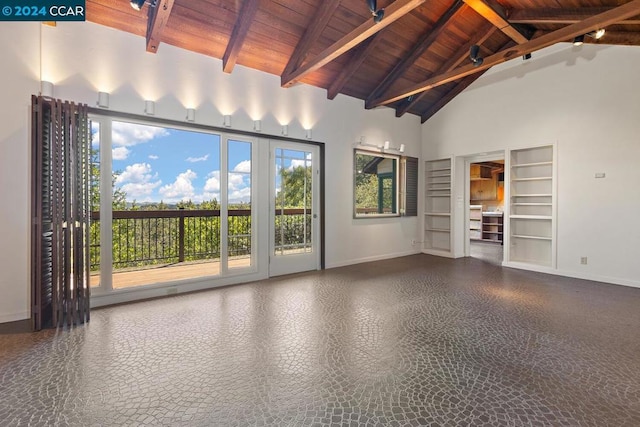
415,60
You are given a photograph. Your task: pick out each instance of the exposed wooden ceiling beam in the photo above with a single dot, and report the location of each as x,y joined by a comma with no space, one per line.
455,91
156,21
480,36
495,14
239,33
421,46
561,16
395,11
359,55
567,33
318,23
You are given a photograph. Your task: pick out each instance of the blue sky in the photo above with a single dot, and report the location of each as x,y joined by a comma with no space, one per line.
171,165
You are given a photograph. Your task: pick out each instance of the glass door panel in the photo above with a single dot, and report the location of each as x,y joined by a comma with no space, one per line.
239,204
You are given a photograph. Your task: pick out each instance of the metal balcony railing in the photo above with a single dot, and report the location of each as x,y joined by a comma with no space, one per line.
143,238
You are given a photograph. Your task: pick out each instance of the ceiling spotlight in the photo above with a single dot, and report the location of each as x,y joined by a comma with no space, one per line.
526,56
578,40
378,14
137,4
597,34
474,55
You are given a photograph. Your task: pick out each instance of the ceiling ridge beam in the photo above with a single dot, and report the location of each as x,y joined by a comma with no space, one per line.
460,86
564,34
564,16
395,11
422,45
479,37
239,34
324,13
360,53
156,21
494,13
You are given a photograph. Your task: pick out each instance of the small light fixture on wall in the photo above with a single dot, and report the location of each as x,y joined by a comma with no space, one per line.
149,107
385,146
191,114
309,133
257,125
46,89
103,100
285,130
226,120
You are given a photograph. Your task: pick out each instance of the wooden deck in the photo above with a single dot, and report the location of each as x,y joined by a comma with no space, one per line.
168,273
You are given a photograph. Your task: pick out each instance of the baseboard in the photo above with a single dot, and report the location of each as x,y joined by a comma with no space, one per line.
14,317
371,259
437,252
573,274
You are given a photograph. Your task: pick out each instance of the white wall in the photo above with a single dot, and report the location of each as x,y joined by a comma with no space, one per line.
587,101
84,58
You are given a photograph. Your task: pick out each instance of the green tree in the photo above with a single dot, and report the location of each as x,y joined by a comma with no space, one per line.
295,187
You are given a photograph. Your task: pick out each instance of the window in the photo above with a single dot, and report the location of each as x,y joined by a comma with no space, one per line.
376,184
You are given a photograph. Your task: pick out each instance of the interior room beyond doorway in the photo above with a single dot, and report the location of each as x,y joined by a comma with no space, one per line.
486,207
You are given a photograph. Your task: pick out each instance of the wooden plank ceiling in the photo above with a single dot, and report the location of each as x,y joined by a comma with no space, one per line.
415,60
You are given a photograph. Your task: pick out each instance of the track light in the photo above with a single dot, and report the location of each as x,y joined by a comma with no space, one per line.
526,56
378,14
103,100
597,34
474,55
578,40
137,4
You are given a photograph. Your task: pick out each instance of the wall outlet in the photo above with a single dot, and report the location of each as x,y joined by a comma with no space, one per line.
583,260
413,242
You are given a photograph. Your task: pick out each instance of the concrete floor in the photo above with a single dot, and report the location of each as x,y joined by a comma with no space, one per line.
418,340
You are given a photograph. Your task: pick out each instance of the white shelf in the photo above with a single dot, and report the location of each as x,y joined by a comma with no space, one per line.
439,230
437,210
531,204
439,170
537,178
438,213
526,165
532,195
439,195
542,217
521,236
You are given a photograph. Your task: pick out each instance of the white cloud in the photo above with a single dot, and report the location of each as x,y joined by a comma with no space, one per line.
299,162
120,153
153,157
197,159
236,181
243,166
181,189
138,181
128,134
240,195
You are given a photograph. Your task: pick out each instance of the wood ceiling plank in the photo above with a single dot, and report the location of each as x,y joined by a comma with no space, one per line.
358,57
561,16
156,21
612,16
483,33
239,34
323,15
396,10
495,14
424,43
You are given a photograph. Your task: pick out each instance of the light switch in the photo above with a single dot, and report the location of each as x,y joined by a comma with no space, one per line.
600,174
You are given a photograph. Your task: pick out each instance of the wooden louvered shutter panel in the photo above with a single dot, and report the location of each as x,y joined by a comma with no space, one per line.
60,213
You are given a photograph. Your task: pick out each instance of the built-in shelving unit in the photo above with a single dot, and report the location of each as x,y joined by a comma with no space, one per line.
531,214
492,227
437,214
475,222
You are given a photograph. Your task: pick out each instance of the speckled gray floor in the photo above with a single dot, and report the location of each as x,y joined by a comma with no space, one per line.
418,340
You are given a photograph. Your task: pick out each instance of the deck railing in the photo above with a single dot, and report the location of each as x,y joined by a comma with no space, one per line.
154,237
